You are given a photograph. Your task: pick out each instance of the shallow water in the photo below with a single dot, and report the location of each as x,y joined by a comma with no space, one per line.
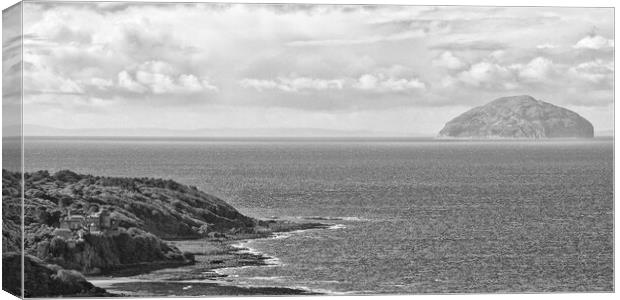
412,216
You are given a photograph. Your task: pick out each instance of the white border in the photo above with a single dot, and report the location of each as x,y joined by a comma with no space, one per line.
575,3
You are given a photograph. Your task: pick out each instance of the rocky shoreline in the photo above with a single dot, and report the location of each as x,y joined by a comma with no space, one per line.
78,225
202,278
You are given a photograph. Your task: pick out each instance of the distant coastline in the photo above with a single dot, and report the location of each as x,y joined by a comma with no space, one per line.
38,130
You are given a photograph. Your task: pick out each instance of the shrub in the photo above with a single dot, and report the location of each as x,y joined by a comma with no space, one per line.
178,205
58,246
42,215
65,201
67,176
189,256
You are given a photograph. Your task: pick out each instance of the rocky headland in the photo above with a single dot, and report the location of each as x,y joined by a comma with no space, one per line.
520,117
149,214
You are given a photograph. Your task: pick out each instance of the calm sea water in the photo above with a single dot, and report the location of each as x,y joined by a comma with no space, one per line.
409,216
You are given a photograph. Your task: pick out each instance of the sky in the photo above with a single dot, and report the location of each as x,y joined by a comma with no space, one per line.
11,71
372,70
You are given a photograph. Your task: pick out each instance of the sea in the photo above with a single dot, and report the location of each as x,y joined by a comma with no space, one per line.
405,215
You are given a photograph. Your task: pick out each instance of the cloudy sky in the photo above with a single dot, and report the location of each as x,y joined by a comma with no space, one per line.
388,70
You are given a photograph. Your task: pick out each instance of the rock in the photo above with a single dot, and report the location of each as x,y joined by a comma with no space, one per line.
98,253
518,117
44,280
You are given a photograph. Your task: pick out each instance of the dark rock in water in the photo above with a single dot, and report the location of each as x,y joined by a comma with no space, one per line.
518,117
44,280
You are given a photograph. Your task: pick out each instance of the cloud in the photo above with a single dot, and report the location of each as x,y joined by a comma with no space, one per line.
292,84
39,78
449,61
594,42
401,36
126,81
471,45
538,68
159,77
261,84
101,83
383,83
493,75
487,74
596,71
546,46
319,59
379,82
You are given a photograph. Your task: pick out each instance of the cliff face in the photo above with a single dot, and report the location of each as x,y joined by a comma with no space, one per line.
518,117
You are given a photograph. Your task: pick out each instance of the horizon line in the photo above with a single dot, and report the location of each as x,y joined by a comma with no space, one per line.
417,137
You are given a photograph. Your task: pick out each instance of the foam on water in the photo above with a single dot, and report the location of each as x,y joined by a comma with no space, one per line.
337,226
332,218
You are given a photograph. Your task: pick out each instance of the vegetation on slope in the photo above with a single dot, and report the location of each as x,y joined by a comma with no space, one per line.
162,207
146,210
11,212
44,279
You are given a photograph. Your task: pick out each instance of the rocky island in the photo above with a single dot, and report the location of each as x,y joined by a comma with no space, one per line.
518,117
78,225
